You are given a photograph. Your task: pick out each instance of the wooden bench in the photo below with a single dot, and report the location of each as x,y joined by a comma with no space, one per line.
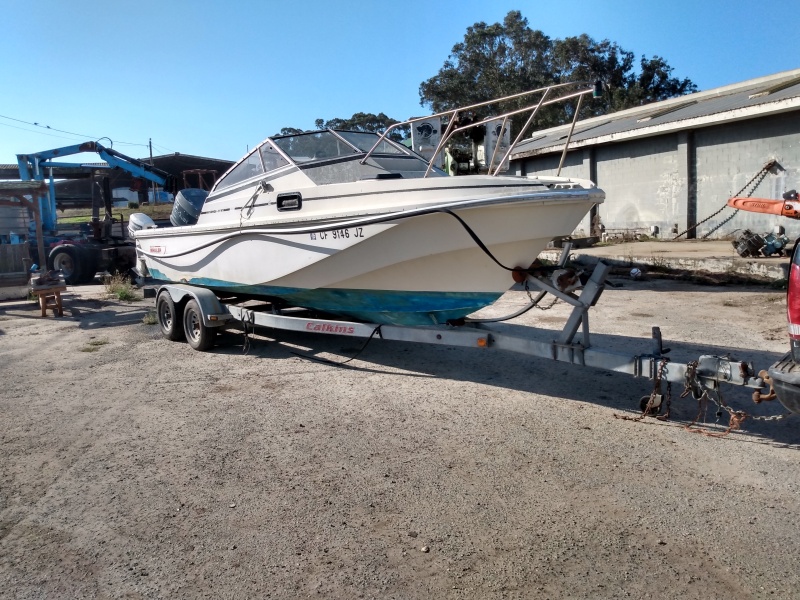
49,294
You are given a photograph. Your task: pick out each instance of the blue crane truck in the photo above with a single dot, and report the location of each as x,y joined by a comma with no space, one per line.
80,258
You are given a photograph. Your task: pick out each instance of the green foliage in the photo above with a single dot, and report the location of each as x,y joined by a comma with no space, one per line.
503,59
509,57
94,345
121,287
359,122
133,205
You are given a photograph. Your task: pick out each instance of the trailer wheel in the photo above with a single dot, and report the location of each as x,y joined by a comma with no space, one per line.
67,259
198,335
169,317
644,401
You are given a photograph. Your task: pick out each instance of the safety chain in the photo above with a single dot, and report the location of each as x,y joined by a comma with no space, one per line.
650,408
735,417
694,387
758,176
535,303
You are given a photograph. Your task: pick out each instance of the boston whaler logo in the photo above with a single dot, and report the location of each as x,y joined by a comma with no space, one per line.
426,131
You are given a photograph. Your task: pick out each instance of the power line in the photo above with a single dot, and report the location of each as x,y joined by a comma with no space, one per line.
163,147
38,132
80,135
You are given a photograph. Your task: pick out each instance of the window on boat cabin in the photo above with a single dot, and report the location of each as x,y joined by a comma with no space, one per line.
249,167
320,145
271,158
365,142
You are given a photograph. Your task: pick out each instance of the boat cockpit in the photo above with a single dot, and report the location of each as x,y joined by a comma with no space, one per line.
329,156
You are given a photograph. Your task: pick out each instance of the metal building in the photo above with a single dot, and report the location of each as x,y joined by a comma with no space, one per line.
673,164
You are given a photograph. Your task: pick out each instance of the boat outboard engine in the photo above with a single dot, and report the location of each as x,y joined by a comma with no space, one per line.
139,221
188,204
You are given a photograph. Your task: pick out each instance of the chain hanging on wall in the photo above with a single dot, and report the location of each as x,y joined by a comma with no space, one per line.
753,183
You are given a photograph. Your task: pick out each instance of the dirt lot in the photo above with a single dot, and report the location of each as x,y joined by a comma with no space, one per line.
133,467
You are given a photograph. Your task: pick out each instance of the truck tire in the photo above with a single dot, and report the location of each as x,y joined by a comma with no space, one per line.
88,261
170,317
67,259
198,335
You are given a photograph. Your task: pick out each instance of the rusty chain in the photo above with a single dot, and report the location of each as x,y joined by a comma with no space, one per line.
693,386
762,173
735,417
648,409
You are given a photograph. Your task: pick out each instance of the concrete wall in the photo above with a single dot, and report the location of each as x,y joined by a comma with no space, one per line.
680,178
643,184
727,158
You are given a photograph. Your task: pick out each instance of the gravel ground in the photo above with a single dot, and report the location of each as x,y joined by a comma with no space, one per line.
134,467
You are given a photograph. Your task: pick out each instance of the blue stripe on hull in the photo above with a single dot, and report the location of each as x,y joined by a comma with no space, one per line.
372,306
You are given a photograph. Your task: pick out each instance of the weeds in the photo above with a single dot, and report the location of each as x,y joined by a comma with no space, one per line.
121,287
150,318
94,345
659,264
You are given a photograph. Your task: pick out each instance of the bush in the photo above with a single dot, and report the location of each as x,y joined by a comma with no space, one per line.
121,287
133,205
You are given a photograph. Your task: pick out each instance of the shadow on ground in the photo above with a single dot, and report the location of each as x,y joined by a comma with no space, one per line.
512,371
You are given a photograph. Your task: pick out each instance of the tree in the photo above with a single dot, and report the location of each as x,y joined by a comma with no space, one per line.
503,59
290,131
359,122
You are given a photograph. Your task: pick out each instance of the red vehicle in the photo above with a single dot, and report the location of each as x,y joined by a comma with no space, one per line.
785,373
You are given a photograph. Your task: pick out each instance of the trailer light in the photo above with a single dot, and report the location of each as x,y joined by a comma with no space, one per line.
483,342
212,318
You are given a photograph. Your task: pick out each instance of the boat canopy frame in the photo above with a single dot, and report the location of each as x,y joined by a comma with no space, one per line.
385,142
453,126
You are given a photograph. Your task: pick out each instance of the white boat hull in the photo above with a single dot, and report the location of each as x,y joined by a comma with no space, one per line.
410,271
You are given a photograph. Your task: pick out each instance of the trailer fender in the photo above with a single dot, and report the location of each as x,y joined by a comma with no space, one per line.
214,313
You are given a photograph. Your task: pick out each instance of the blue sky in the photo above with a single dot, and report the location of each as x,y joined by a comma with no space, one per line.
211,78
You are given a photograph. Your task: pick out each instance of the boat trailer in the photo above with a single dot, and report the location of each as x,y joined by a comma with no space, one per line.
196,313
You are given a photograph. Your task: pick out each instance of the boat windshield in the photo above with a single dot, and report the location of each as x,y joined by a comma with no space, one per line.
318,145
365,141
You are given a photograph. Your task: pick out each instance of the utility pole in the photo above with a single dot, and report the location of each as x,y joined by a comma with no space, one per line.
152,183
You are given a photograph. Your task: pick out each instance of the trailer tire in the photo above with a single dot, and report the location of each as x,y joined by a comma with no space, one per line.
198,335
170,317
67,259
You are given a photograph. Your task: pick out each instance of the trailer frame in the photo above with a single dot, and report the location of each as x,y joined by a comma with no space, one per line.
202,311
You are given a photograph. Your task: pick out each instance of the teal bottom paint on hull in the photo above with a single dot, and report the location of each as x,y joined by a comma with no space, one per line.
385,307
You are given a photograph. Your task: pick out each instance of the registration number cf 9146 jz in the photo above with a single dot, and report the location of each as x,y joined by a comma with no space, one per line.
339,234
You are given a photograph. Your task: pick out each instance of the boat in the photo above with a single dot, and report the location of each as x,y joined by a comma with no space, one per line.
354,224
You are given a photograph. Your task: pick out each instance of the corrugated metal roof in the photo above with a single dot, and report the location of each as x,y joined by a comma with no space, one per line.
748,99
